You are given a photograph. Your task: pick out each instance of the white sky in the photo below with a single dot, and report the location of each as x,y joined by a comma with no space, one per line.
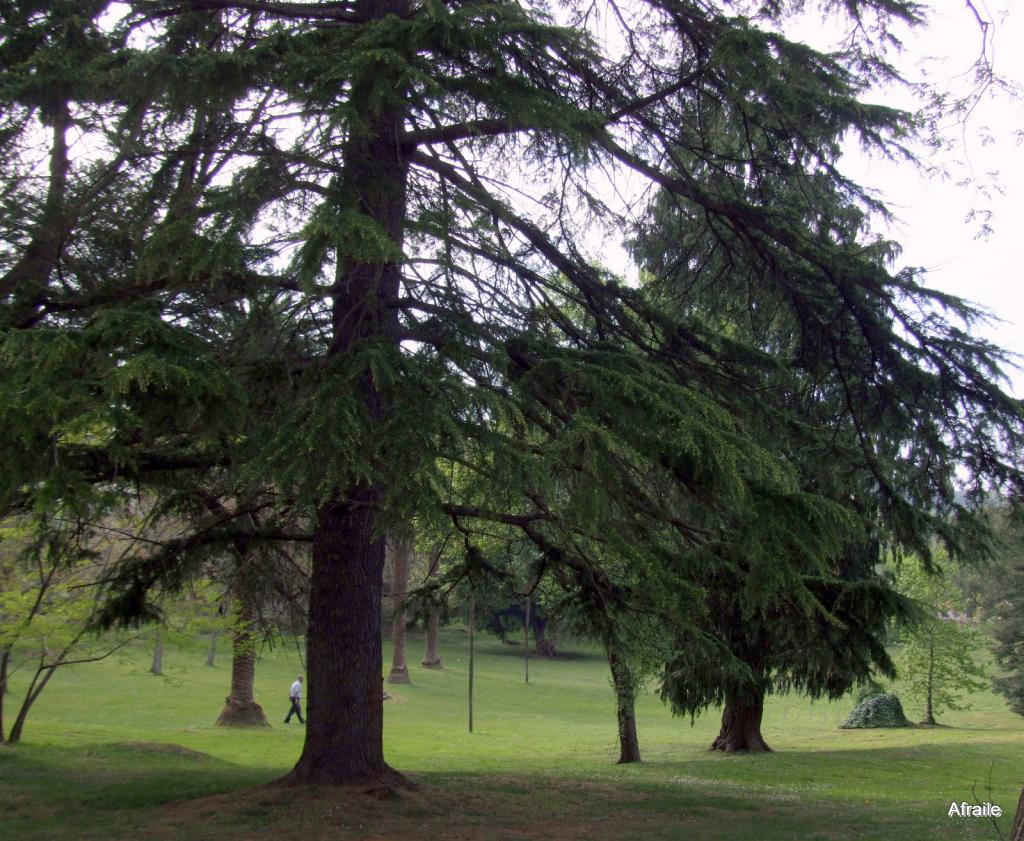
933,213
967,227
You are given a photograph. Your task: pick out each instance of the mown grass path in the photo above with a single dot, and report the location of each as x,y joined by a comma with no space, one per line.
113,752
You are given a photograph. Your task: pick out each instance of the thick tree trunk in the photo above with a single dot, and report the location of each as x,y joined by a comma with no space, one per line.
741,726
211,653
403,549
157,666
240,707
344,734
1017,833
431,657
344,710
625,702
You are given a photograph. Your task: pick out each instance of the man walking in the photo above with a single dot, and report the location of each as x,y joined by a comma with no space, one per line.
295,696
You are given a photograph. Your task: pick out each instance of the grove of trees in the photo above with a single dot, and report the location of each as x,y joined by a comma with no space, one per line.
302,274
938,656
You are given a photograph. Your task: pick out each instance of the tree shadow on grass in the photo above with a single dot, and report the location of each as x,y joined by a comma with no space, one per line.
475,807
680,799
54,792
132,790
920,778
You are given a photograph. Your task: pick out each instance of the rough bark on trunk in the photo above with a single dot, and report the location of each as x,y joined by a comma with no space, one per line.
741,726
1017,833
344,733
431,657
403,549
240,707
344,710
625,703
157,666
211,654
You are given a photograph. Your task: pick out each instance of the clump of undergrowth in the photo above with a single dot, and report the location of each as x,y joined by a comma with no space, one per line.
876,711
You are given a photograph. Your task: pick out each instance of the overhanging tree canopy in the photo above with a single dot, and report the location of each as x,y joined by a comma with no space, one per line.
413,179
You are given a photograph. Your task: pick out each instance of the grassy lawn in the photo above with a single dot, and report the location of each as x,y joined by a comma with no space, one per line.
111,751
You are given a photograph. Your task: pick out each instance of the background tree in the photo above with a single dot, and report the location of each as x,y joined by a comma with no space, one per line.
1007,609
432,609
1009,634
821,648
50,598
402,549
817,621
240,707
936,659
214,624
502,612
637,642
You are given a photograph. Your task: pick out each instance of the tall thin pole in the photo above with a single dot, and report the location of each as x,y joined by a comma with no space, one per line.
472,625
526,641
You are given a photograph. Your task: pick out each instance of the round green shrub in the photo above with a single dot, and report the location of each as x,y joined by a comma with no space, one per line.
877,711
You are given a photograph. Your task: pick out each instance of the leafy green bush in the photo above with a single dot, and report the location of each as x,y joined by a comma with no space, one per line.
877,711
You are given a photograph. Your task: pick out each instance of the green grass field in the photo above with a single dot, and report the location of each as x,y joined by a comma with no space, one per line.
111,751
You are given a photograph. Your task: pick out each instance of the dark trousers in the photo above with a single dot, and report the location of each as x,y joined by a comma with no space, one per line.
295,710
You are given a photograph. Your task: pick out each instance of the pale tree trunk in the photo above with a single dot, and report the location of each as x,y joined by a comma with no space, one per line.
211,654
624,683
741,725
431,656
240,707
1017,833
157,666
403,549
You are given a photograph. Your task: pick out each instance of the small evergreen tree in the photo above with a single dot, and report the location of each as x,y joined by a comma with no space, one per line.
820,648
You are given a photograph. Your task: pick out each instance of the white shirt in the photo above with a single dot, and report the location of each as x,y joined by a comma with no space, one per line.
296,690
